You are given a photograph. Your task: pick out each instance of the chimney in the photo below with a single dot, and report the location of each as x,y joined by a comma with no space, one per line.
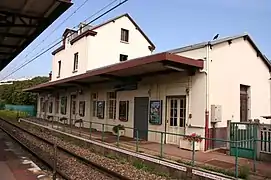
50,76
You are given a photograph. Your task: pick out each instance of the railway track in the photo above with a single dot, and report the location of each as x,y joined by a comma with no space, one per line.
60,150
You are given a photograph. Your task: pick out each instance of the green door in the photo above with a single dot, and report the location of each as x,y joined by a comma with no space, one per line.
242,135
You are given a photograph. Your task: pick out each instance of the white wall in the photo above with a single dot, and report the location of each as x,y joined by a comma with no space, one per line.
106,46
66,57
101,50
232,65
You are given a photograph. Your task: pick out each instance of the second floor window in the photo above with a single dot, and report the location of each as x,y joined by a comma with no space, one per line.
75,62
59,68
123,57
124,35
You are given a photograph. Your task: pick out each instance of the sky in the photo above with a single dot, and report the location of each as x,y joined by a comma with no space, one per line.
168,23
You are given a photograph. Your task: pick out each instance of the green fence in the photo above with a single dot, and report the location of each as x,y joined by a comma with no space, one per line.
29,109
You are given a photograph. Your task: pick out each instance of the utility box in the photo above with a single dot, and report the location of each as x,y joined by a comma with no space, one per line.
216,113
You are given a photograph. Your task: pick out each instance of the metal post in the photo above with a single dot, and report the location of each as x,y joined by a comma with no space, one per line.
118,138
103,133
136,140
161,145
254,154
193,153
55,161
90,129
236,159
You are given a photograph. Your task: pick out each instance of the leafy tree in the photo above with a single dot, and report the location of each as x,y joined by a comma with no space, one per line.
13,93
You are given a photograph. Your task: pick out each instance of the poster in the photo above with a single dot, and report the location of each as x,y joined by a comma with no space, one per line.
156,112
100,109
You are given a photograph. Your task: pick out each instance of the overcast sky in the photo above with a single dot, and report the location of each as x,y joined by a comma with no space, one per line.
168,23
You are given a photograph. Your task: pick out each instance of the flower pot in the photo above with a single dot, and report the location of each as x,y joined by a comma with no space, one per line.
184,144
121,132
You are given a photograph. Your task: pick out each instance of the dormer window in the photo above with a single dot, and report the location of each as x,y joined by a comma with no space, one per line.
124,35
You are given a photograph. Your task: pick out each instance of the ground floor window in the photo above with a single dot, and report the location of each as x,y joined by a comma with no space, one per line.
63,107
177,111
111,104
123,110
57,105
51,107
82,108
94,99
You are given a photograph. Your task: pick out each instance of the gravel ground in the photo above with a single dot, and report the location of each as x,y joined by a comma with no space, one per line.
65,163
116,165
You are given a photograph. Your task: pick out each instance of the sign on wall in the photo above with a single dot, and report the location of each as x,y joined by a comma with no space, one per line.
155,112
100,109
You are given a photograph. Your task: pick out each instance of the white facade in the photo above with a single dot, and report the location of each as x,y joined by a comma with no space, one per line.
227,65
232,65
102,49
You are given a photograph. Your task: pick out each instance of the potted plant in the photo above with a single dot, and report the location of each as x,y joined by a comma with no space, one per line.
187,142
119,130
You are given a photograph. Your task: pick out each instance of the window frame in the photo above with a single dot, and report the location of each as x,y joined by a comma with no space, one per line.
75,61
57,105
59,69
123,57
111,107
94,101
82,104
124,36
63,106
124,116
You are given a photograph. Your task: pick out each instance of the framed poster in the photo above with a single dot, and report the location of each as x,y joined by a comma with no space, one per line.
155,112
100,109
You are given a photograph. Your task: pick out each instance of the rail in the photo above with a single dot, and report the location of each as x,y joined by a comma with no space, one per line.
82,159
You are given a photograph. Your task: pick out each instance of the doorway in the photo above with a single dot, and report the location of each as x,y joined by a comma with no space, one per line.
141,106
176,118
244,103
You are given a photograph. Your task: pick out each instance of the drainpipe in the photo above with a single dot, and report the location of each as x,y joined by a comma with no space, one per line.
207,97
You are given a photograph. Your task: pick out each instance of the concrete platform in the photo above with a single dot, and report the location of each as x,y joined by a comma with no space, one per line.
14,163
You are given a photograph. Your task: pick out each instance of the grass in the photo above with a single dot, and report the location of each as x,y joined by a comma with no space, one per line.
12,115
243,170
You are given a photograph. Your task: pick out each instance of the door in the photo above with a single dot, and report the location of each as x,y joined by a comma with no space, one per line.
141,106
72,109
243,103
176,118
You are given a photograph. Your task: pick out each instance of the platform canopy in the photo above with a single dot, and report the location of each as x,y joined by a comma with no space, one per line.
21,21
127,71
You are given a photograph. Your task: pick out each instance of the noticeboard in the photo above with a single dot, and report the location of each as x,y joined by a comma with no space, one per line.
155,112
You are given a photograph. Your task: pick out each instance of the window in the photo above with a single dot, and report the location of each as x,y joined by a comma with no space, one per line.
75,62
42,109
82,108
63,105
177,107
73,100
51,107
123,57
94,99
59,68
123,110
111,104
124,35
57,104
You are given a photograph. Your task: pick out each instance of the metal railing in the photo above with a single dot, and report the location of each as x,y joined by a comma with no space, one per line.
104,133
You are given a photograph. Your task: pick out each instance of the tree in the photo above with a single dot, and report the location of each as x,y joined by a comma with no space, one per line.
13,93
